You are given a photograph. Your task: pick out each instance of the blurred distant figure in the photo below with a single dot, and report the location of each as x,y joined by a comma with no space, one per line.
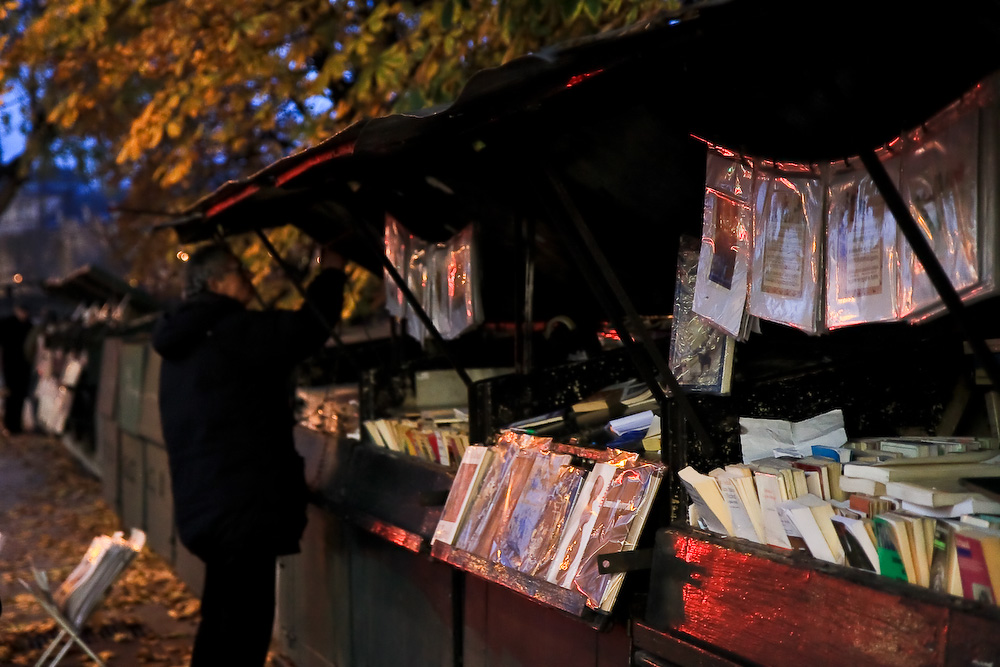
14,331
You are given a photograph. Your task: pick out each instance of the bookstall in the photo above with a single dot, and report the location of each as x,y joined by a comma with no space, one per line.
578,212
85,307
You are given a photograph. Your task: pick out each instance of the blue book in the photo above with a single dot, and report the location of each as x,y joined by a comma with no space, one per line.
839,454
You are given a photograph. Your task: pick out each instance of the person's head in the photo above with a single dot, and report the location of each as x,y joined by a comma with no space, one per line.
215,269
21,312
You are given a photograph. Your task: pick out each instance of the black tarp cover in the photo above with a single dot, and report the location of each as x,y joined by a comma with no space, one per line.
613,118
92,284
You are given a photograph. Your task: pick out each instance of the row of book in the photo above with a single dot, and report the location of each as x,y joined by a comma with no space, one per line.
525,504
427,439
921,525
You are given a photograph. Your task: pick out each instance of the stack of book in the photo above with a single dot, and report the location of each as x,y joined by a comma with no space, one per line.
912,518
524,505
620,416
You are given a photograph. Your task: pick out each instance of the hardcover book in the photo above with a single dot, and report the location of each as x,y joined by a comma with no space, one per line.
721,288
786,276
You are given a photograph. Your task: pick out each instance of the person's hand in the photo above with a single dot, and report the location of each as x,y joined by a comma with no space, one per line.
331,259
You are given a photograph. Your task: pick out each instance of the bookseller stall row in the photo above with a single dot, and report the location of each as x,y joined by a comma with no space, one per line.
556,190
87,305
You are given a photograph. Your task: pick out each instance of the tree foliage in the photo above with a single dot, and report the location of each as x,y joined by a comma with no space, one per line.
163,100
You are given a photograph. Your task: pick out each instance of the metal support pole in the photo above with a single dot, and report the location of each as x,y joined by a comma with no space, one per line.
525,287
922,248
292,278
632,322
221,240
379,248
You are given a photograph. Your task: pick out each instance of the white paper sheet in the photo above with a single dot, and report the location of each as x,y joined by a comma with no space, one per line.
760,437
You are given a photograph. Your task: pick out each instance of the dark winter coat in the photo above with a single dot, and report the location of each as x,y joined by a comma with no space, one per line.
16,366
227,412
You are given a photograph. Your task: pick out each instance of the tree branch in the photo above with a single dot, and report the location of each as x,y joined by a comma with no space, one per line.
12,177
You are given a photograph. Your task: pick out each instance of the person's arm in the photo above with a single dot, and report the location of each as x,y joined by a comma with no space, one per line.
295,335
324,298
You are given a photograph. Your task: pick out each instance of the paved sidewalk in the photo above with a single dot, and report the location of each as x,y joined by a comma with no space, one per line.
50,509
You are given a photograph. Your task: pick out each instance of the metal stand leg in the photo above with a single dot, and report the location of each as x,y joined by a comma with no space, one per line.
52,645
62,652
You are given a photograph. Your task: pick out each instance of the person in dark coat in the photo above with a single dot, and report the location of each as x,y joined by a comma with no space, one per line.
226,404
14,330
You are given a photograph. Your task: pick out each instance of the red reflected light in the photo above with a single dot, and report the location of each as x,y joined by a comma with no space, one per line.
226,203
580,78
344,149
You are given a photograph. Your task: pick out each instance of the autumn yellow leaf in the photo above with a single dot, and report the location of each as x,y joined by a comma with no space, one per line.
216,79
129,151
153,134
177,172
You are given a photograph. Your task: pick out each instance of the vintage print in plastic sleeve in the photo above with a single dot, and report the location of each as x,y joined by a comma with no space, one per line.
417,281
580,525
397,250
451,293
721,289
463,488
861,251
548,532
730,176
464,302
482,504
515,537
436,301
699,353
513,456
442,277
617,528
505,501
939,182
786,265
